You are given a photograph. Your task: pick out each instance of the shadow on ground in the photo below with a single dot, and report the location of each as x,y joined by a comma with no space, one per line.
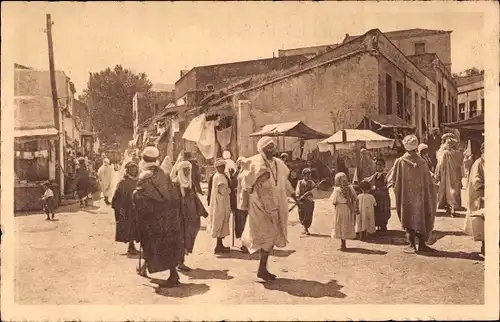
458,214
182,291
236,254
208,274
315,235
390,237
474,256
438,234
364,251
304,288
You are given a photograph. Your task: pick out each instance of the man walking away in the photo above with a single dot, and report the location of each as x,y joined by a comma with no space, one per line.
415,195
105,175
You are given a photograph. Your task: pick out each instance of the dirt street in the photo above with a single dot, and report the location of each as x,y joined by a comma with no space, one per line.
75,260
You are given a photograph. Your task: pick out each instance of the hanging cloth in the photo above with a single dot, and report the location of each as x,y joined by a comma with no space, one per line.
224,137
206,142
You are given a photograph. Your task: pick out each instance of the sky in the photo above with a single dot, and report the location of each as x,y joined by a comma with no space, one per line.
161,39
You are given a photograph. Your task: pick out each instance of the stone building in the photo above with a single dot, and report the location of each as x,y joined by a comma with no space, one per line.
365,76
147,105
470,96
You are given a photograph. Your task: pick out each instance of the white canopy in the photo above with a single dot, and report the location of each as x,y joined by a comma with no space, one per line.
346,139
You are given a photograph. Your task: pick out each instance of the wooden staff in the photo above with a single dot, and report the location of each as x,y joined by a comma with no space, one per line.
305,194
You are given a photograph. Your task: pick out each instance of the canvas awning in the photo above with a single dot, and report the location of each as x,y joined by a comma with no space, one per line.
346,139
291,129
383,121
35,132
475,123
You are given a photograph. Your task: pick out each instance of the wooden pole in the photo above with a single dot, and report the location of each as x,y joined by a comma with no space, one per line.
54,100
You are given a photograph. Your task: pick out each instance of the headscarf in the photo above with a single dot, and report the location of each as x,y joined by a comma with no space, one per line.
410,142
183,180
342,182
128,165
422,146
166,165
263,142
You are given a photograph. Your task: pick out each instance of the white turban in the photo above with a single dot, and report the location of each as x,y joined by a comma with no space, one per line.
263,142
422,146
106,161
219,163
151,152
410,142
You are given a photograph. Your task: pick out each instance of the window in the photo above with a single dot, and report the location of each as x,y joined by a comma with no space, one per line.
388,94
472,108
407,110
461,111
415,111
399,99
482,105
433,116
419,48
428,114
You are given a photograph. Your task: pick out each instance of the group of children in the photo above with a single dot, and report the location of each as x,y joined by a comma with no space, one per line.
359,210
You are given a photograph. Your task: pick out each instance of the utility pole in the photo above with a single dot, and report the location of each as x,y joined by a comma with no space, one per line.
55,104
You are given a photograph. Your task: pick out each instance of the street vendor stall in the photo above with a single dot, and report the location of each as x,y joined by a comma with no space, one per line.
355,139
299,130
34,163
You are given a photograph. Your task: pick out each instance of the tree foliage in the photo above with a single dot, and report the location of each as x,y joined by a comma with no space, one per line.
469,72
109,95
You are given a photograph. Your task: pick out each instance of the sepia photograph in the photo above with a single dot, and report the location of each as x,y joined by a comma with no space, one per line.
250,161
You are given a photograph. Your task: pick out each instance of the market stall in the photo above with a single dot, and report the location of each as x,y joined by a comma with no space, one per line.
471,131
355,139
296,129
34,163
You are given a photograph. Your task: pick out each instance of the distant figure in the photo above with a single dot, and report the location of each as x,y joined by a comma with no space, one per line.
166,165
306,201
125,216
415,195
448,174
345,210
367,167
365,221
241,213
284,157
220,207
48,201
82,182
382,196
423,152
474,222
105,176
230,164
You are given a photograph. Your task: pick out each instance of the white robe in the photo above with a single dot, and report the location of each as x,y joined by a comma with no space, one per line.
474,220
105,175
220,208
267,220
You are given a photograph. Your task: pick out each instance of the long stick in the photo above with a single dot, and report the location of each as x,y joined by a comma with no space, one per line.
307,192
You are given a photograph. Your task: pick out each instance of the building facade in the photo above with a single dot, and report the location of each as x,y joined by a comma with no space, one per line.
470,96
147,105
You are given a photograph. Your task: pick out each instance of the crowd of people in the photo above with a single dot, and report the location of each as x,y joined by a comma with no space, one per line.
158,203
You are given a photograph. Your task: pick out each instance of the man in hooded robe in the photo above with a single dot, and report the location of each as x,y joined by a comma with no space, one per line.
423,150
125,216
239,207
158,205
191,207
474,221
415,195
105,176
266,186
448,174
220,207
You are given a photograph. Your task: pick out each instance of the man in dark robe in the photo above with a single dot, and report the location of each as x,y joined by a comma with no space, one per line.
126,218
158,204
196,175
415,195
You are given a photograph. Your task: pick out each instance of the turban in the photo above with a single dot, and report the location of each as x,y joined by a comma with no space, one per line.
151,152
219,163
240,159
284,155
263,142
226,155
106,161
306,171
410,142
422,147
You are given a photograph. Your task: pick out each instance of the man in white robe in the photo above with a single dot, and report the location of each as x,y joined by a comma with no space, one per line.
265,186
105,176
219,208
474,221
